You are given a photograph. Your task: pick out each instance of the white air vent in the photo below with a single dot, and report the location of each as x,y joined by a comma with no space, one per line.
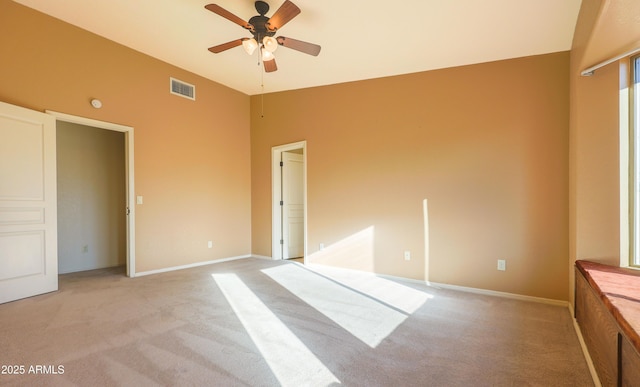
182,89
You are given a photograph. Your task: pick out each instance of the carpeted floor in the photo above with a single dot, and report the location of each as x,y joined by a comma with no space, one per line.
256,322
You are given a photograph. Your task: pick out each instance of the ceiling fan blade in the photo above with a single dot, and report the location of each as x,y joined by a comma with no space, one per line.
270,65
283,15
225,46
299,45
218,10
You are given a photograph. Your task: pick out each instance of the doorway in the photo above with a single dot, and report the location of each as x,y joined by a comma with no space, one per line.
91,196
289,197
127,209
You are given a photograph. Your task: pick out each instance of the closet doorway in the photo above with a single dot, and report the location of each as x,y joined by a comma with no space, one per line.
95,194
289,193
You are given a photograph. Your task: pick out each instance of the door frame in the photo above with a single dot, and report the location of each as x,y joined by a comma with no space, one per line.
276,194
129,180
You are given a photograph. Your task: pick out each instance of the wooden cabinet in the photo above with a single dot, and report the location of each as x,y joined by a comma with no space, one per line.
614,355
629,363
599,330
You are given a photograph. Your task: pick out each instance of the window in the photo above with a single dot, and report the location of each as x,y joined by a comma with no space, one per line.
634,164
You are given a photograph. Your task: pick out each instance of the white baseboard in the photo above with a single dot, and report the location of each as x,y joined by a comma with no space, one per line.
196,264
432,284
495,293
585,351
460,288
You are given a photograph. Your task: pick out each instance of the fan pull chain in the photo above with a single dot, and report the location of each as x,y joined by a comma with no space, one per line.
262,92
262,103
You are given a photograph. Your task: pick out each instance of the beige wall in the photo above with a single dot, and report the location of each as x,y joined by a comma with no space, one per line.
192,160
605,29
486,145
91,198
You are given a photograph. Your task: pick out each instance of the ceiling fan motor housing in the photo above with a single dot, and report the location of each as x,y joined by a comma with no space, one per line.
260,30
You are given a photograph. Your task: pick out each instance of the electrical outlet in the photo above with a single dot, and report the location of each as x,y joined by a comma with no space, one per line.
502,264
407,255
321,247
210,244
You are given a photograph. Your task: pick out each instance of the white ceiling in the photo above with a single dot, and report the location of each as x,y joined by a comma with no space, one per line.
360,39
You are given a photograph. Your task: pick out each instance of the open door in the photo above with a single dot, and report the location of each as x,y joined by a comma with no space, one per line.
293,205
28,205
289,203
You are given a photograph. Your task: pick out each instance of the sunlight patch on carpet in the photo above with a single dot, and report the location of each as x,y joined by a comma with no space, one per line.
365,318
291,361
389,292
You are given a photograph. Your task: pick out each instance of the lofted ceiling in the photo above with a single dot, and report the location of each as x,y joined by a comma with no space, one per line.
360,39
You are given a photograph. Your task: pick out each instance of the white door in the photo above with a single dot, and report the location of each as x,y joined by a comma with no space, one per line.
28,206
293,205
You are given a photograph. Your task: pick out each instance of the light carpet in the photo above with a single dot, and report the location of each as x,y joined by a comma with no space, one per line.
254,322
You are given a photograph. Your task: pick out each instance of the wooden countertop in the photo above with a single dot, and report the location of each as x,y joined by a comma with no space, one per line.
619,290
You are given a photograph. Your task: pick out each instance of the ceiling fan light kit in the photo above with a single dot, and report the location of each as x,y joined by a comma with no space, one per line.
267,56
249,45
263,30
270,43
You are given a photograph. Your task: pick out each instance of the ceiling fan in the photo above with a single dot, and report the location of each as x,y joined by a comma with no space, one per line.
263,30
